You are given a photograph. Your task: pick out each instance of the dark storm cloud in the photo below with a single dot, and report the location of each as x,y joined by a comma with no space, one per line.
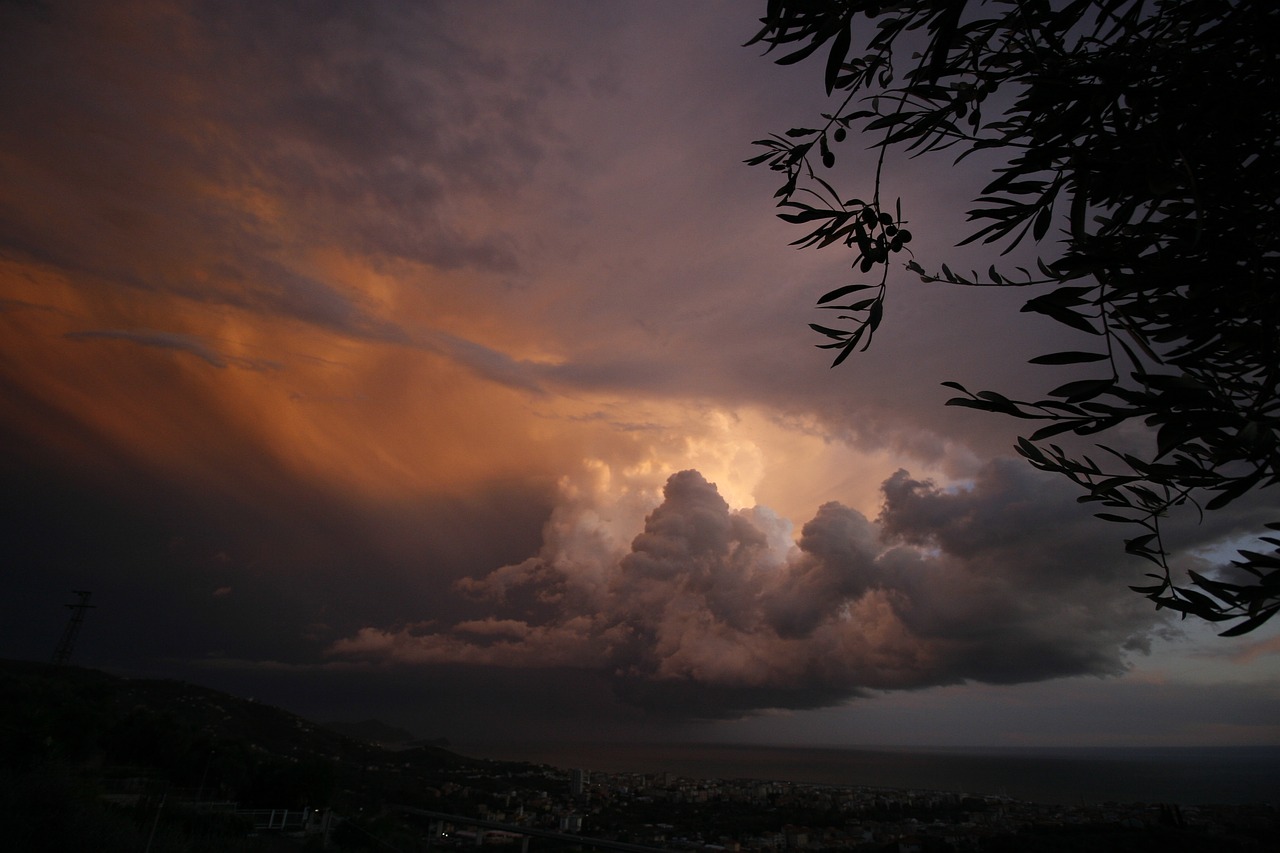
1012,521
840,551
997,582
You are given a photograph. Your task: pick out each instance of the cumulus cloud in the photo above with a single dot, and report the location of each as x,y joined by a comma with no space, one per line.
710,612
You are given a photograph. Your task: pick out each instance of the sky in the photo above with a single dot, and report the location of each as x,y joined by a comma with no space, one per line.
443,363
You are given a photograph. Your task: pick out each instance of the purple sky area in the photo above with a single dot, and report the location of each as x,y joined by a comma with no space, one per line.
443,363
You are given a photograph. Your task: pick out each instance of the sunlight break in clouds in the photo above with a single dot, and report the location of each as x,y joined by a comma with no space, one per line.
707,612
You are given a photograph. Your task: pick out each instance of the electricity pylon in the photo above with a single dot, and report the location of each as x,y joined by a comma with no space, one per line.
63,652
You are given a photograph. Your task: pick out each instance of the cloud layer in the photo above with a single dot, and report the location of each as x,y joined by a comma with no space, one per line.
703,613
314,313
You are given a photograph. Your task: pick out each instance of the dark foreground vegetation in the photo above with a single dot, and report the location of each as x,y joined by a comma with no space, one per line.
1131,149
90,761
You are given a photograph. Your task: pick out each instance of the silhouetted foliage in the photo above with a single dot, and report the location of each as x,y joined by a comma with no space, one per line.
1142,136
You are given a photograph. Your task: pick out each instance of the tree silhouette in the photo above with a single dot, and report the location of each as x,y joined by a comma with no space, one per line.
1144,136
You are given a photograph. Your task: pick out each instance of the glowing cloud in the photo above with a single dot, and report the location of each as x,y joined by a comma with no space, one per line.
707,613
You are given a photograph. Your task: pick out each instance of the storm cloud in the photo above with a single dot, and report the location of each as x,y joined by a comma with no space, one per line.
351,350
704,614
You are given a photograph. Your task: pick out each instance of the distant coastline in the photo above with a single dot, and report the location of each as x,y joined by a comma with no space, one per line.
1182,775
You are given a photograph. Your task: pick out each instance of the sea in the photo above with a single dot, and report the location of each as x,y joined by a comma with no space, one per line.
1065,776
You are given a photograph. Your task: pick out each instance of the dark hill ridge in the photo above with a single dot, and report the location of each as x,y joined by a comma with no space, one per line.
194,737
92,761
44,701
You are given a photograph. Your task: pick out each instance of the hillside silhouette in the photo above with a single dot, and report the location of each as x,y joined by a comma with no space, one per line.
88,760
